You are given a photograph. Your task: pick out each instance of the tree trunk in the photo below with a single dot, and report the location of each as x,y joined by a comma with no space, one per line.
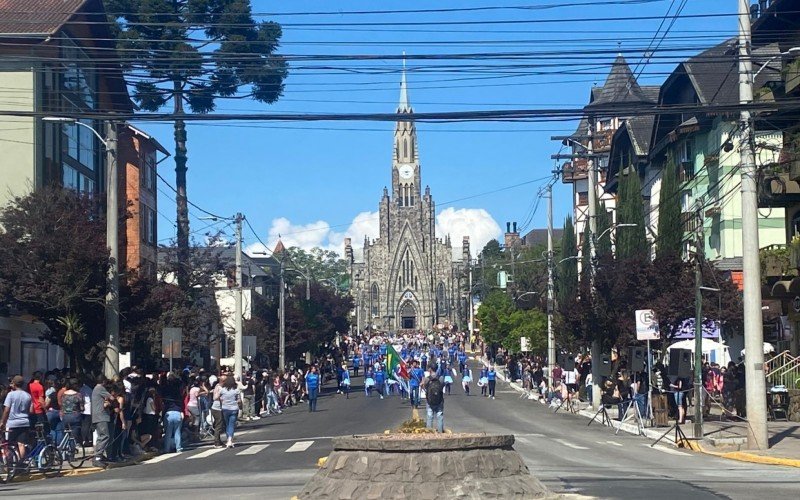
181,200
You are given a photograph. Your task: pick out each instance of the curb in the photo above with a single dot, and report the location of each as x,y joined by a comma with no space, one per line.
690,444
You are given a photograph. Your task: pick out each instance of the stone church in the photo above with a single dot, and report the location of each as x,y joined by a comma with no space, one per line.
408,278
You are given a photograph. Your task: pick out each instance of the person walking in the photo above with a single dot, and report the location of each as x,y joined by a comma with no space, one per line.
483,381
369,381
230,402
466,379
216,412
417,374
345,386
38,413
380,381
491,378
16,414
312,388
434,395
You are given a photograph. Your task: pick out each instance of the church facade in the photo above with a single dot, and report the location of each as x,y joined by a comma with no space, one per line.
408,278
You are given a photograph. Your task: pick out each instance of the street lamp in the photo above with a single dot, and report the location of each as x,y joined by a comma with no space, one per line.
793,50
111,357
614,226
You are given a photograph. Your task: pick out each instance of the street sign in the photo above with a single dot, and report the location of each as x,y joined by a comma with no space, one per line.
646,325
171,342
524,344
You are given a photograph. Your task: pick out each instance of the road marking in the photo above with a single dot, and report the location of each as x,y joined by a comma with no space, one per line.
671,451
252,450
160,458
300,446
612,443
570,445
536,435
207,453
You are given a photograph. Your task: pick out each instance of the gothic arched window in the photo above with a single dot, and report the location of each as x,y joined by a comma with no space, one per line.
405,148
374,300
441,300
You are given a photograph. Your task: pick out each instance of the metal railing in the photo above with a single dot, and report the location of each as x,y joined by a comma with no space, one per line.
784,369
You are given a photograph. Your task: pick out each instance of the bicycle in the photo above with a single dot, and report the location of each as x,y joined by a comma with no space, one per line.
9,456
44,458
71,450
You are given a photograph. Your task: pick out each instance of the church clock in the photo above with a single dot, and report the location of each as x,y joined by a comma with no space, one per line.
406,171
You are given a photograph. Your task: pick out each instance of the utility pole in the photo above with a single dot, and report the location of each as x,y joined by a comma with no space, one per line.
698,323
111,362
308,285
282,335
469,304
756,392
237,336
551,340
597,355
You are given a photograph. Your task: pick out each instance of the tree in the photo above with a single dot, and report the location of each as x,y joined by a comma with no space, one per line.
193,52
603,223
631,241
53,264
494,314
491,250
320,265
567,283
148,306
670,229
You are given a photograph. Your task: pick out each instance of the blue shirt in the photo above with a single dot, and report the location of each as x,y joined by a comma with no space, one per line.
356,362
417,374
380,377
312,380
491,375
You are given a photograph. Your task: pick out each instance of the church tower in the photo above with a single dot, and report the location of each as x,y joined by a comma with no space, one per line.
408,278
405,160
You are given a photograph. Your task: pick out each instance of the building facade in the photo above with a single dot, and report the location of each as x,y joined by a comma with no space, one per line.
408,278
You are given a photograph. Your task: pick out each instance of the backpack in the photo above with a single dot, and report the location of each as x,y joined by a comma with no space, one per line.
434,392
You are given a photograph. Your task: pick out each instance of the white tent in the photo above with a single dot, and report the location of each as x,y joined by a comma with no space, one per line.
768,348
717,353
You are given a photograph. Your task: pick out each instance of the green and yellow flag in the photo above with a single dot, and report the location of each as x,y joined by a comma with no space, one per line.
393,360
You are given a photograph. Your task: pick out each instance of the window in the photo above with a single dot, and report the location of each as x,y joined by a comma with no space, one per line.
374,300
148,224
149,171
73,179
687,159
405,148
583,197
441,300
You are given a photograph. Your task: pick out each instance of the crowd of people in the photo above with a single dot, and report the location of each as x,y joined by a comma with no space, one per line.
139,411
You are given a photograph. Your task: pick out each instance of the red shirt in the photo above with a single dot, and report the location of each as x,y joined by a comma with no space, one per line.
37,395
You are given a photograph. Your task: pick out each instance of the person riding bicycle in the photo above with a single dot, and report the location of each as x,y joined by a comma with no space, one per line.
16,415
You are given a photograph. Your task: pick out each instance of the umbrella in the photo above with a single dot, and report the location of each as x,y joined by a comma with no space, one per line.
768,348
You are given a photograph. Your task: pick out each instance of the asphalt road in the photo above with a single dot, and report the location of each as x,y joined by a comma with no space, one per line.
275,456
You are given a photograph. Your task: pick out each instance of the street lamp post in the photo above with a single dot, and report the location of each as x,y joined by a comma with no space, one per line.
111,357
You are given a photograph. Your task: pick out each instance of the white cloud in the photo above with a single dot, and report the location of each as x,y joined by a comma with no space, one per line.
473,222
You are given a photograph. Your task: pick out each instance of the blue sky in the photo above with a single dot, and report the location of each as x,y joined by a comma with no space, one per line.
309,181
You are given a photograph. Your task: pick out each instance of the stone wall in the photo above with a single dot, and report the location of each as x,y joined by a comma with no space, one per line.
794,405
437,468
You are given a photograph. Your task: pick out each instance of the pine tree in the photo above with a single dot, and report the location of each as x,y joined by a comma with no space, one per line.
670,229
567,283
188,54
631,241
603,222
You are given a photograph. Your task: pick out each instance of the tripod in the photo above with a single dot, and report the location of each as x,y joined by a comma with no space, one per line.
680,437
568,402
606,419
638,415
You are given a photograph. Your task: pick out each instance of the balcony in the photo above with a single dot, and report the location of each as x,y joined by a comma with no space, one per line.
575,170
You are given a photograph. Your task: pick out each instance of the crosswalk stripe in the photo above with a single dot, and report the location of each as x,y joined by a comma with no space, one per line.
300,446
570,445
207,453
670,451
613,443
252,450
160,458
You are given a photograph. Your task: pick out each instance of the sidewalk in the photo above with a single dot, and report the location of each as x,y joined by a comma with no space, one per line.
726,439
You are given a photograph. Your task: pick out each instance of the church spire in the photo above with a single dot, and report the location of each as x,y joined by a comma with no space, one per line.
405,105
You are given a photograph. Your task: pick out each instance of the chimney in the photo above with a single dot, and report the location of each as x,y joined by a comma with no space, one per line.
508,227
511,237
515,228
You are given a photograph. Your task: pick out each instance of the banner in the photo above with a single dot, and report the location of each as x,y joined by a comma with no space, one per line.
686,329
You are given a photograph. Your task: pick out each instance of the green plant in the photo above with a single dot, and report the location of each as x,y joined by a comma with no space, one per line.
776,261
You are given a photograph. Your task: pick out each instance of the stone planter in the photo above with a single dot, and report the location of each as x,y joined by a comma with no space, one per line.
432,466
